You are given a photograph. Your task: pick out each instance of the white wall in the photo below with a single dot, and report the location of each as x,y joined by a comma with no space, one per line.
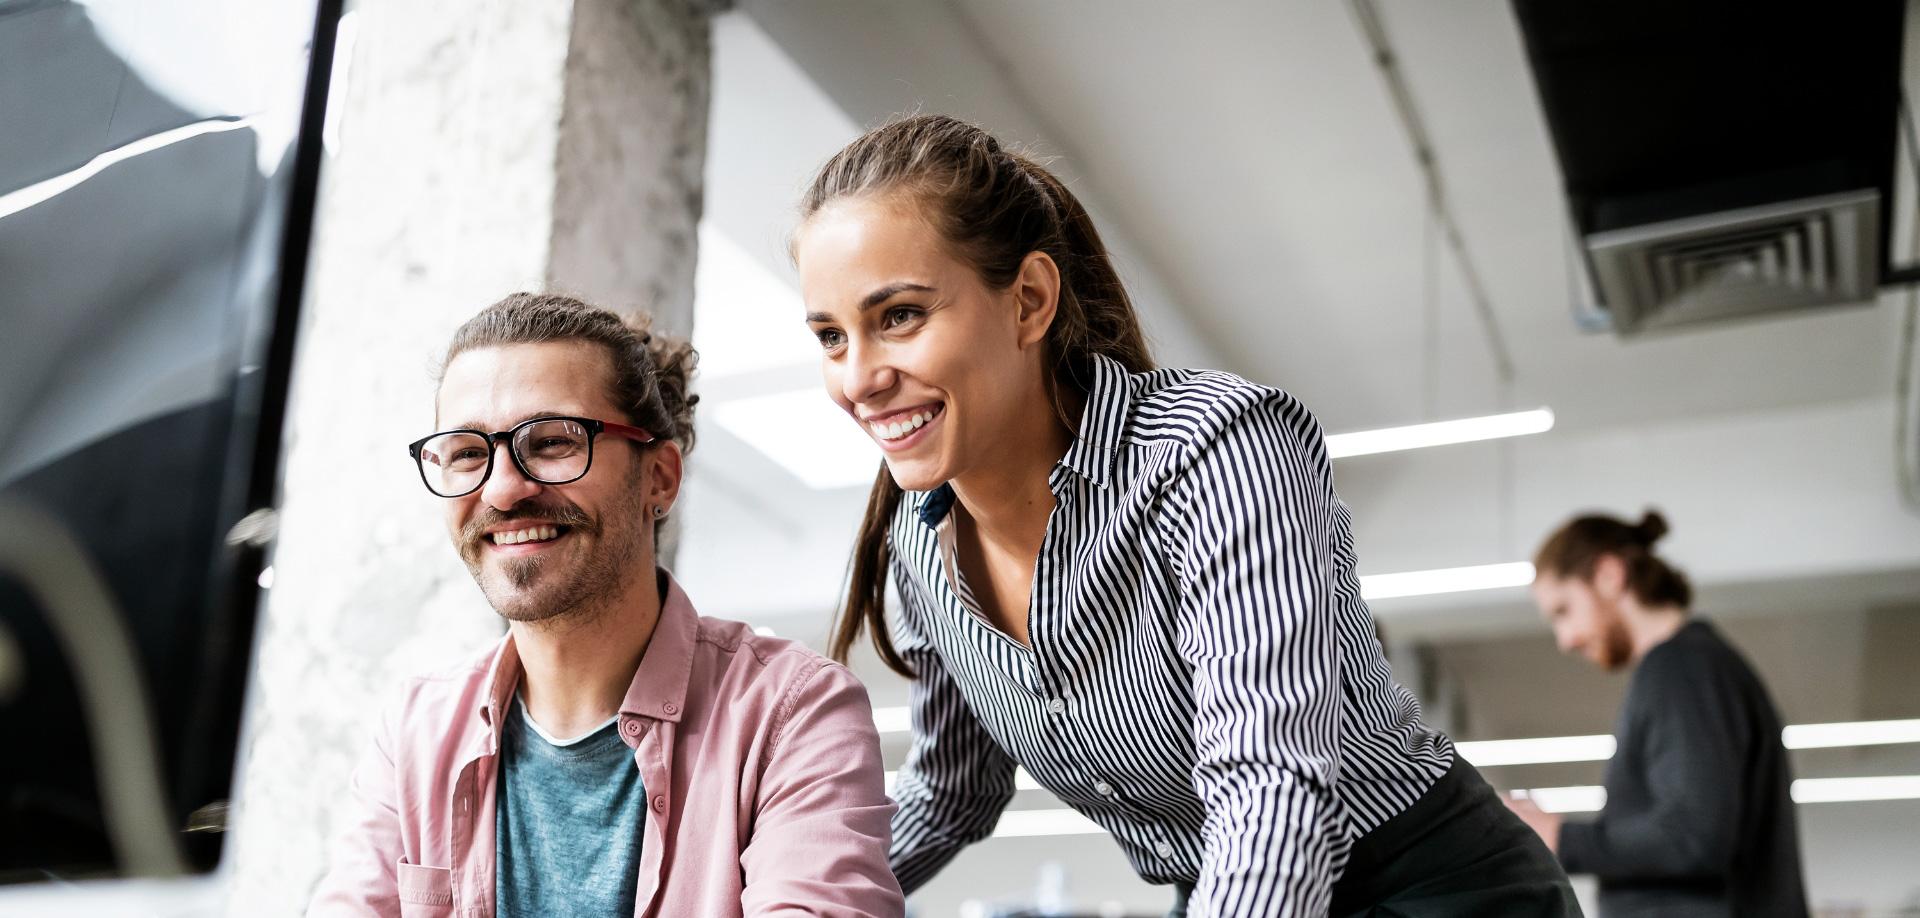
1795,493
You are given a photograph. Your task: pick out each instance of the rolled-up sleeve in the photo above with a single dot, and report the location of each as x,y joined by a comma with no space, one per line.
956,780
819,844
1255,531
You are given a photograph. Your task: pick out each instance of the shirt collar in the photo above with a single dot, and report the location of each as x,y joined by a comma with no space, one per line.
1103,420
659,687
503,674
1092,453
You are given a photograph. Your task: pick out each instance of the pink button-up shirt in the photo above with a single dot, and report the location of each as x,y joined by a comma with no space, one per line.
762,769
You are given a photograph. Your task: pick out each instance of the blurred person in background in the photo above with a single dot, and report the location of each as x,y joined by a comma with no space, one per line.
1137,583
1699,820
615,753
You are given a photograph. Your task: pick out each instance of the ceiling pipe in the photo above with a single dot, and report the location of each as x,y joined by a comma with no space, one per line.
1375,35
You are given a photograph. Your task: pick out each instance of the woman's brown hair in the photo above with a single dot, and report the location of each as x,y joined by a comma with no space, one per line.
994,206
1575,549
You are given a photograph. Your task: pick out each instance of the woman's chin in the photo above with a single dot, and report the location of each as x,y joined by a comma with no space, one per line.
915,475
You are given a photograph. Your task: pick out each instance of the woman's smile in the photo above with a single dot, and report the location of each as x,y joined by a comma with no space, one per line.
898,431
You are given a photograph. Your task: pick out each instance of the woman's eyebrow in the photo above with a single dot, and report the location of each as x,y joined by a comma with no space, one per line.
877,297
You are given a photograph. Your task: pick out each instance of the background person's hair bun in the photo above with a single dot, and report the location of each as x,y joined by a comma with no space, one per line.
1652,527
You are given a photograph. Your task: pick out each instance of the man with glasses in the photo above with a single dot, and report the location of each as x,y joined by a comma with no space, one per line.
615,753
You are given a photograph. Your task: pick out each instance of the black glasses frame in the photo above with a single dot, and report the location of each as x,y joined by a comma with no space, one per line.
594,428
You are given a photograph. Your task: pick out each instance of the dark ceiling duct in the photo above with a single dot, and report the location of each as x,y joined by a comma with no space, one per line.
1722,159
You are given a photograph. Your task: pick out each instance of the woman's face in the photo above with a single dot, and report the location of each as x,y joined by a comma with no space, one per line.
939,369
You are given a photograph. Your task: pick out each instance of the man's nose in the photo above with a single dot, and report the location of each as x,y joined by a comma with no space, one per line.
1567,641
506,487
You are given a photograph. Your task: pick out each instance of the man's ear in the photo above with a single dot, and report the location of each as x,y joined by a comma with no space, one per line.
1610,577
665,467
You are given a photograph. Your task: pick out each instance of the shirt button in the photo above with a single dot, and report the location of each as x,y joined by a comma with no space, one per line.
659,803
1057,705
1163,849
670,708
631,727
1105,789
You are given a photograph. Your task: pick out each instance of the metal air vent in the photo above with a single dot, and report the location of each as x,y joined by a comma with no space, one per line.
1721,158
1800,254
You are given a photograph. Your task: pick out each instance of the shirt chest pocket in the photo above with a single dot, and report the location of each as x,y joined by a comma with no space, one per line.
425,892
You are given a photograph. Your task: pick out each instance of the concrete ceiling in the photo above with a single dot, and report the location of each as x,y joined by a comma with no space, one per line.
1252,149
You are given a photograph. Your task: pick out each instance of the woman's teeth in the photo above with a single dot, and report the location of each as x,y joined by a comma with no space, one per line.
535,534
898,429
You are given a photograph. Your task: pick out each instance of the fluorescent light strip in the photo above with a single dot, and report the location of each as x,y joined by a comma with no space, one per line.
18,200
1585,798
1058,821
1590,798
805,433
1847,790
1022,780
1439,433
1446,580
1537,751
1548,750
1855,733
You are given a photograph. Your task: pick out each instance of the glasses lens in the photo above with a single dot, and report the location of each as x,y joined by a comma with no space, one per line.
554,451
453,463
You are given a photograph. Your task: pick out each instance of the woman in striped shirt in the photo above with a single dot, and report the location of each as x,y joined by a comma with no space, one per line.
1136,583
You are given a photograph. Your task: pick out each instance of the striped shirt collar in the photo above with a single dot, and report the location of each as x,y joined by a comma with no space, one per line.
1091,455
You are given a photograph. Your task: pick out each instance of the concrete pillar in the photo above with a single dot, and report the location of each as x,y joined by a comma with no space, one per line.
630,162
513,144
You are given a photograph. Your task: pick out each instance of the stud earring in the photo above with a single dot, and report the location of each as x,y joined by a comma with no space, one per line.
659,512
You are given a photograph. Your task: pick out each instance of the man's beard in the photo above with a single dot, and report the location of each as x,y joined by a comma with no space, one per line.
1616,645
596,578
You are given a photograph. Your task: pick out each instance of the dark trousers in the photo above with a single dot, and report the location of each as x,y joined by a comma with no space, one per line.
1457,851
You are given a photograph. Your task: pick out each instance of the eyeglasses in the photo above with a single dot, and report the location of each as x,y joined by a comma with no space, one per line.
553,450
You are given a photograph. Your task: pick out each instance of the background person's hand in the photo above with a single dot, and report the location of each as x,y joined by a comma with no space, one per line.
1545,824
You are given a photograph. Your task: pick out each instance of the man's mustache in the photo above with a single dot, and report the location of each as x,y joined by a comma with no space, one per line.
562,514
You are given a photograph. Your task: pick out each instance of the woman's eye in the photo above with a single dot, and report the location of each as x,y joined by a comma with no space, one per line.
900,315
830,338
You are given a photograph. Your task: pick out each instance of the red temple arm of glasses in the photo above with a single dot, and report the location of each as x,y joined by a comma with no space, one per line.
632,433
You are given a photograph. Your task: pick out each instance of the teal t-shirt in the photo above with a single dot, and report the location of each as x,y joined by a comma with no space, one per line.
569,825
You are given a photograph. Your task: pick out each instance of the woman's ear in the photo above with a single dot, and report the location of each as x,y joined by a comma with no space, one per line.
1036,296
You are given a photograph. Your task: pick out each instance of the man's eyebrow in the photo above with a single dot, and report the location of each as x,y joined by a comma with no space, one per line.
478,425
877,297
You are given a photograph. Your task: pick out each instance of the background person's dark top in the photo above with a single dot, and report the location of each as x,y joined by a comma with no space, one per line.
1699,819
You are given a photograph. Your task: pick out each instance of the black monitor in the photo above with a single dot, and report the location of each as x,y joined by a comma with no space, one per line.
158,165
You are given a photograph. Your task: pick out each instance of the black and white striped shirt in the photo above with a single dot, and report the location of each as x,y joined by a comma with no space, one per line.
1204,679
